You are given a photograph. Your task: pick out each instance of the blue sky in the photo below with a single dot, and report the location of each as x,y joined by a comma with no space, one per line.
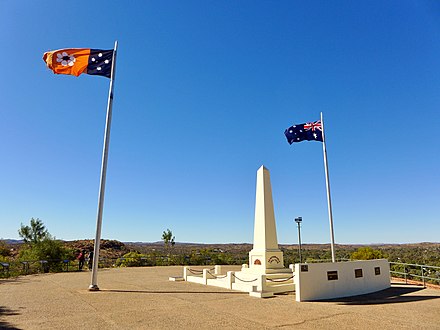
203,93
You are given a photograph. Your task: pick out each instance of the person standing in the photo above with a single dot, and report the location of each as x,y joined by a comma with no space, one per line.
90,260
81,258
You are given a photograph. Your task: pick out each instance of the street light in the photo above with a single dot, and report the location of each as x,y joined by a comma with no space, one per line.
298,221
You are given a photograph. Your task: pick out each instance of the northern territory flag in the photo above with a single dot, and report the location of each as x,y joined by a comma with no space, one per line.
75,61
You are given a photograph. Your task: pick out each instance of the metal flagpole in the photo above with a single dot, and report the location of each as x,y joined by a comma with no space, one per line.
329,200
94,284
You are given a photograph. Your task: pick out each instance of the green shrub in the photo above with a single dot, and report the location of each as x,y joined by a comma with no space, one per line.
366,253
131,259
4,249
48,249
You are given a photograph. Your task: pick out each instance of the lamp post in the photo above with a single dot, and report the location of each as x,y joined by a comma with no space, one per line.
298,221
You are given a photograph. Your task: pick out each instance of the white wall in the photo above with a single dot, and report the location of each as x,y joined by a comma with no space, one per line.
314,284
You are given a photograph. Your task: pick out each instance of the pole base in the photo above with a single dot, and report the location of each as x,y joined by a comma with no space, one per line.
93,287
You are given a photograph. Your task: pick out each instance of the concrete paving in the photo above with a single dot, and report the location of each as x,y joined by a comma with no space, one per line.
143,298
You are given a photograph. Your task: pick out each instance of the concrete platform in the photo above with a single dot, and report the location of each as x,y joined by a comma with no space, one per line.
141,298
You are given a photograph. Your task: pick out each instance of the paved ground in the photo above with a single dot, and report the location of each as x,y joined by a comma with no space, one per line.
141,298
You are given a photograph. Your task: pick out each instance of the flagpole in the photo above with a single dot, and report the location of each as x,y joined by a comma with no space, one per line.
329,200
94,281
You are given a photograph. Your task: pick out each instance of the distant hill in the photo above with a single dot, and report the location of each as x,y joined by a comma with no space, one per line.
424,252
12,241
305,245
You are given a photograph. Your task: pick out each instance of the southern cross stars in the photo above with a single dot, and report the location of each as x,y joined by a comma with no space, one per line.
100,62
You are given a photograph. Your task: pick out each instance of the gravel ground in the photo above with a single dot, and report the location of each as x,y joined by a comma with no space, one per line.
141,298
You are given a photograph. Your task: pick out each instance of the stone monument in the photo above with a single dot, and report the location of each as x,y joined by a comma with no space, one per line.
265,256
266,262
265,275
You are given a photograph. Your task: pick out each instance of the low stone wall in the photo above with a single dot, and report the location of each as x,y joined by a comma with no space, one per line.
258,285
319,281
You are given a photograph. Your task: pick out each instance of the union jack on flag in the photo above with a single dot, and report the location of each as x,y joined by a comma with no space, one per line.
313,126
304,132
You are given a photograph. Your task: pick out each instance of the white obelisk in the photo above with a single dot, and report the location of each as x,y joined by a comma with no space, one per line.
265,257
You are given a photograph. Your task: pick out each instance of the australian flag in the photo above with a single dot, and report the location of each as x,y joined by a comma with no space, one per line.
308,131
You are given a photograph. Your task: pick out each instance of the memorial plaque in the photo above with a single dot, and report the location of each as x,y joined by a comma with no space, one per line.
377,270
332,275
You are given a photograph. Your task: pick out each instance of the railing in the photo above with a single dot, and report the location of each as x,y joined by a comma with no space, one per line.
16,268
414,271
310,261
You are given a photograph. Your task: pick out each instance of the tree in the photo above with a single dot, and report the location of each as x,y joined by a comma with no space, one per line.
366,253
41,245
34,233
168,238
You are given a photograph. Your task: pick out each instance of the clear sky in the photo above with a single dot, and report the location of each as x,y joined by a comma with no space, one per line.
203,93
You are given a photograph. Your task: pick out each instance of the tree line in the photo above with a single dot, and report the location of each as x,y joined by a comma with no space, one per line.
39,244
